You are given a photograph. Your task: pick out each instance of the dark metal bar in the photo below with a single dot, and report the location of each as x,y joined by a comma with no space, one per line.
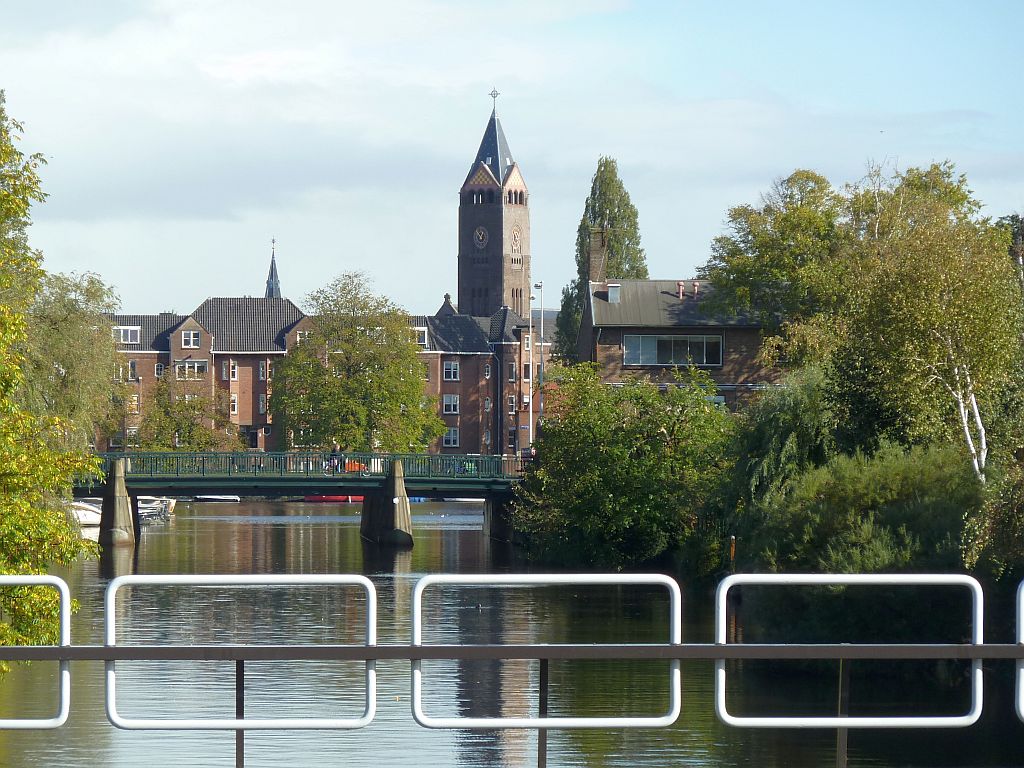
842,710
694,651
542,733
239,713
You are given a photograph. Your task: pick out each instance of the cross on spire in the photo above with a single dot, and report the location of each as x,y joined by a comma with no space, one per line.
494,95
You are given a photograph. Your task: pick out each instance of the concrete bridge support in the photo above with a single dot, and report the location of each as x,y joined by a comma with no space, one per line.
498,519
118,526
387,518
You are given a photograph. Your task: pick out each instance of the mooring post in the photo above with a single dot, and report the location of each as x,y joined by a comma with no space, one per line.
842,734
542,733
239,712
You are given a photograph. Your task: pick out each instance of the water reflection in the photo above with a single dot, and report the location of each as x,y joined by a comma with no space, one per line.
302,538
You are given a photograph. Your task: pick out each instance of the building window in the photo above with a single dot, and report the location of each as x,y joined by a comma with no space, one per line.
512,371
511,403
300,336
270,371
234,404
451,438
421,337
487,404
526,399
672,350
223,370
234,370
127,334
158,370
116,442
263,370
511,440
451,370
526,371
487,370
267,430
133,402
487,437
190,369
190,339
133,374
263,403
131,437
450,404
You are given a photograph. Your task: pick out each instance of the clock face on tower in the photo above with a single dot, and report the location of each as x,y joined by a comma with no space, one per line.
480,237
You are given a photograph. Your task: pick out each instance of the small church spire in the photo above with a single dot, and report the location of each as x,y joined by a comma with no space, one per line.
273,282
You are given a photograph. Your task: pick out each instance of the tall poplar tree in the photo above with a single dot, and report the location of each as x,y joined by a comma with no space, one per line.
608,207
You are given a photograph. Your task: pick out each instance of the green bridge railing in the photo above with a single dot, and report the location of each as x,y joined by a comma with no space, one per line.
314,464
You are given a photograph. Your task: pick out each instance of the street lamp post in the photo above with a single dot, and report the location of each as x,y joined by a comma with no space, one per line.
530,383
540,374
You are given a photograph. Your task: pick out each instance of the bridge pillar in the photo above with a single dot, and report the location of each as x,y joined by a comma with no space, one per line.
498,519
117,521
386,517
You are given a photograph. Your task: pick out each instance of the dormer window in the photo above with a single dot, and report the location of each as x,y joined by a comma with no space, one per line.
421,337
613,293
127,334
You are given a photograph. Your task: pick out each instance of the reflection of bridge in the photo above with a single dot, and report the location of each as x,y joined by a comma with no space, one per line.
300,473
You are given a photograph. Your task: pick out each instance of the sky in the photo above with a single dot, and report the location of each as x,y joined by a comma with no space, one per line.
183,135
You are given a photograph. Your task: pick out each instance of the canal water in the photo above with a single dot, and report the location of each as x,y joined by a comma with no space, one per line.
273,537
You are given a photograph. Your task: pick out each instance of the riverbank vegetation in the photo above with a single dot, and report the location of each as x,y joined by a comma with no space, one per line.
894,441
42,426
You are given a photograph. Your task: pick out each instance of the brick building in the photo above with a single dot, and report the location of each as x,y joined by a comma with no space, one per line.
650,328
478,362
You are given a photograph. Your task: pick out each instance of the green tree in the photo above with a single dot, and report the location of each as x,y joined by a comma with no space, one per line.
622,472
70,355
357,378
609,208
932,326
778,260
35,470
173,422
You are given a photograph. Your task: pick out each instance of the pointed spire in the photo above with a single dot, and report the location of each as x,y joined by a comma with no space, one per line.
273,282
494,151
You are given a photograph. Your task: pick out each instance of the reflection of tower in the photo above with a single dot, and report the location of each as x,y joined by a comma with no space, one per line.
494,230
498,688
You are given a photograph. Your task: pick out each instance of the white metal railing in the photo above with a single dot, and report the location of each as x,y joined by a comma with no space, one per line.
64,686
946,721
281,723
578,579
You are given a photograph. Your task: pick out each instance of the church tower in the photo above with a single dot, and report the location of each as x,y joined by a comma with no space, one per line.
494,230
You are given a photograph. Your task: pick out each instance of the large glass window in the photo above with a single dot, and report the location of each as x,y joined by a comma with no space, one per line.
672,350
451,370
190,369
451,438
451,403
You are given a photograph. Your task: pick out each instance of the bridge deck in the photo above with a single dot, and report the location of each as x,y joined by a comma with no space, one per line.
310,472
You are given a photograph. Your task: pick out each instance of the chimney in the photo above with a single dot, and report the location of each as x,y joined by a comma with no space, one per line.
597,257
681,289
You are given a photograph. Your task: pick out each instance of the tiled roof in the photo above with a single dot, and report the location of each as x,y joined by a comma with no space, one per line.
452,333
154,330
494,151
501,324
249,324
656,304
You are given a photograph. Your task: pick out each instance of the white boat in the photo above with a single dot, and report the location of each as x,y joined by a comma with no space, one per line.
155,508
219,498
85,514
